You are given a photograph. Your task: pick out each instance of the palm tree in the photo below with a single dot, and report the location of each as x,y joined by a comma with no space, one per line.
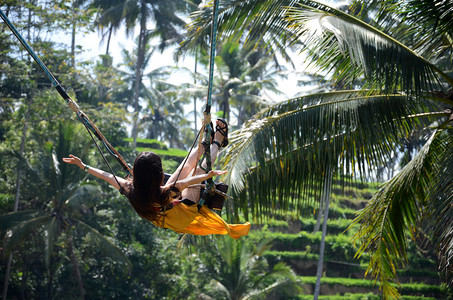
66,203
242,79
164,114
245,273
161,109
244,74
167,22
393,74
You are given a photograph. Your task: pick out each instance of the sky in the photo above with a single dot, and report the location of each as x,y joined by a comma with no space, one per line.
91,42
93,47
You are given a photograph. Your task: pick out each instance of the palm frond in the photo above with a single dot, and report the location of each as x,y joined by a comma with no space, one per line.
106,246
10,220
334,37
281,275
440,210
428,24
19,233
50,235
393,212
281,155
246,21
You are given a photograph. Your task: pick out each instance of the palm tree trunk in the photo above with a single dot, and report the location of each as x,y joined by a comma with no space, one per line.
326,199
319,217
73,34
107,48
138,76
194,97
76,268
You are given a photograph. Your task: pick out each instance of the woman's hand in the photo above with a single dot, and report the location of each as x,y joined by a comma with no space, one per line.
186,182
116,182
213,173
74,160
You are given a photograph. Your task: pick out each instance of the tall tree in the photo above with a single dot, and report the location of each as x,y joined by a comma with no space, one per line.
161,107
167,22
402,57
18,89
242,79
65,206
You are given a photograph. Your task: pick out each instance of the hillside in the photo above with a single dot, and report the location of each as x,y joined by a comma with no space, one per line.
296,243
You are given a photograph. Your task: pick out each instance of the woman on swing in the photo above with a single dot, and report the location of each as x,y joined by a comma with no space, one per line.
172,204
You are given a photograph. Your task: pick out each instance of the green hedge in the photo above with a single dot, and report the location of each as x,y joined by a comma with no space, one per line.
369,296
349,282
346,296
336,211
338,247
404,288
171,152
334,226
148,143
301,255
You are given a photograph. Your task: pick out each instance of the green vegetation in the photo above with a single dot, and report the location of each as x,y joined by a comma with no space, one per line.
352,282
369,117
369,296
157,147
296,244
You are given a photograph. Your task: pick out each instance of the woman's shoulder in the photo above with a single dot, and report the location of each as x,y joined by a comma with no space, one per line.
126,188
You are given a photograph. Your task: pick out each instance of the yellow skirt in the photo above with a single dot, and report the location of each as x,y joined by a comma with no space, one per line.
186,219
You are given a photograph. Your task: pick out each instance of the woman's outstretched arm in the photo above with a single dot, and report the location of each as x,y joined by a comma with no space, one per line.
74,160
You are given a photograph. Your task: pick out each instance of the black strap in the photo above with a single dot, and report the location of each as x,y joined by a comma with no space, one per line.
174,203
121,189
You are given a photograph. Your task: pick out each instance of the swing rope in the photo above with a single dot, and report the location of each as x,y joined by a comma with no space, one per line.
211,59
206,126
210,185
89,125
93,130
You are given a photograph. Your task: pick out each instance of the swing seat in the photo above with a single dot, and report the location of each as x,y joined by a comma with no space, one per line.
216,201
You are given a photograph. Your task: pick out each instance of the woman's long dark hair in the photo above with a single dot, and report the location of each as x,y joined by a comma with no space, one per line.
145,194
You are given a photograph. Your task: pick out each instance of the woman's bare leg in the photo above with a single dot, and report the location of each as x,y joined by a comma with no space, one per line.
193,194
187,166
214,150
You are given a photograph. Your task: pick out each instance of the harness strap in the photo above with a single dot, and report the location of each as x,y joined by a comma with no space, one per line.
121,189
173,204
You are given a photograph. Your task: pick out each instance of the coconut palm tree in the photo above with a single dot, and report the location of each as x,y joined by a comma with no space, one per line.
243,273
392,68
243,76
167,22
242,81
65,206
160,109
